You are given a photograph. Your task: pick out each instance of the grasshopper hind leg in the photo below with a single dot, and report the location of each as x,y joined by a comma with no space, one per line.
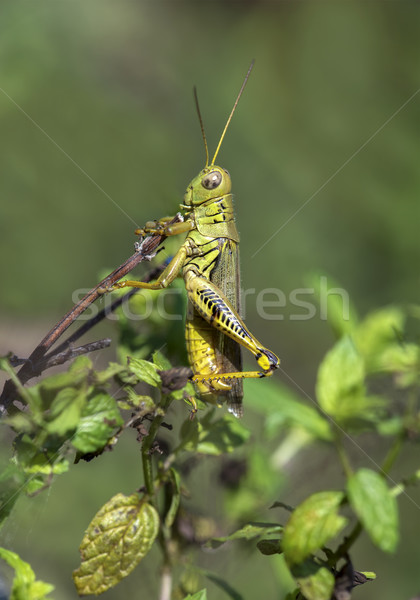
216,310
210,356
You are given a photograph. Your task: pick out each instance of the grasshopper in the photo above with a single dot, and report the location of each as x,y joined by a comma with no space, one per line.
208,261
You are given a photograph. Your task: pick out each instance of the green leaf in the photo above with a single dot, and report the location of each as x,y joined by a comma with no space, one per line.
189,434
376,508
24,587
315,581
201,595
113,369
284,409
212,437
118,538
12,481
403,360
340,382
298,414
77,374
222,436
22,422
143,404
35,484
248,532
360,412
145,371
393,426
161,362
65,411
311,524
399,358
377,331
38,462
48,468
27,452
99,419
81,364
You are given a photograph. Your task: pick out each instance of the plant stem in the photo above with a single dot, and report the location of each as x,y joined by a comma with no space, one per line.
345,463
166,579
147,445
392,455
400,488
166,584
348,542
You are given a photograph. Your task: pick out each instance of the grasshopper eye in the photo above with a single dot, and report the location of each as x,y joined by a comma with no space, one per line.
212,180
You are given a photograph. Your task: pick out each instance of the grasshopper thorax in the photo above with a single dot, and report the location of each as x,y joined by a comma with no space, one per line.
212,182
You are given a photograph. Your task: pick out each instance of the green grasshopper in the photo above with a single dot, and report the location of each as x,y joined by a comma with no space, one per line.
208,261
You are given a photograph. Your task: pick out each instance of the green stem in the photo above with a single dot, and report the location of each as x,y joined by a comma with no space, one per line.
392,455
395,449
348,542
166,578
147,445
345,463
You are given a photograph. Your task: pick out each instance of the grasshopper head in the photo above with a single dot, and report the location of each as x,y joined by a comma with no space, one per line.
212,182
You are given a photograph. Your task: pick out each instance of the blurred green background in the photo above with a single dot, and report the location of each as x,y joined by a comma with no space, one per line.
99,134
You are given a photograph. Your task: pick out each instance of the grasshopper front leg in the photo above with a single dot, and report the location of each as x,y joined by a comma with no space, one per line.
216,310
172,270
166,277
162,227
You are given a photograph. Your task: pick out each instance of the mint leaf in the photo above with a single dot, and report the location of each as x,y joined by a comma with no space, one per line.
311,524
118,538
99,419
376,507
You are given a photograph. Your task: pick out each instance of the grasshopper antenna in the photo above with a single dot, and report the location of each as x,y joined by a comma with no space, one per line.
200,118
232,111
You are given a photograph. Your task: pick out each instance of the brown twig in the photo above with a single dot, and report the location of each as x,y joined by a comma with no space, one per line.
102,314
31,367
59,358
